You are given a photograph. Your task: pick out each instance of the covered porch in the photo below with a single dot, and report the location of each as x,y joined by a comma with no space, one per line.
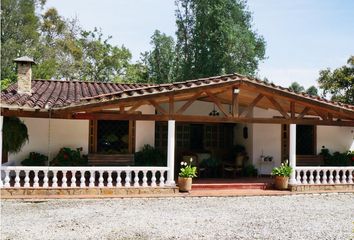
231,99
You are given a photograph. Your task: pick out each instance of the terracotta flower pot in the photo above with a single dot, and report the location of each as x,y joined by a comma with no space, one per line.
184,184
281,182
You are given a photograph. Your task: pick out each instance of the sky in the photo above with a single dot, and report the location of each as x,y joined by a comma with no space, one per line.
302,36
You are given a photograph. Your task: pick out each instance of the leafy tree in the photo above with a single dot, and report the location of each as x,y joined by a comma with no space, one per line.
296,87
215,37
58,53
19,25
101,60
160,61
312,91
339,83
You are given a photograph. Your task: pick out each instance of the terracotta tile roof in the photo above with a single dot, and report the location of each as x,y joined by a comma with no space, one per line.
56,93
60,94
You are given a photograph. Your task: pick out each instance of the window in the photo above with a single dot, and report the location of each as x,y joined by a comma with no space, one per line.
111,137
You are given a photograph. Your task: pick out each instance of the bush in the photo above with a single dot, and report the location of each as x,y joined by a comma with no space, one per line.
69,157
337,158
35,159
150,156
250,171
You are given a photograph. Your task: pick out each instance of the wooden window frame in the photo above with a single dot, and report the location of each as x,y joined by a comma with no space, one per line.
93,136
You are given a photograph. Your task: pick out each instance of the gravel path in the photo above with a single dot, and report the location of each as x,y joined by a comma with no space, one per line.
279,217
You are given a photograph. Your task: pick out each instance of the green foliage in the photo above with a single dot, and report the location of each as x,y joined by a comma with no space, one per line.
149,156
35,159
339,83
187,170
312,91
15,134
250,171
5,83
296,87
216,37
284,170
337,158
160,61
19,34
69,157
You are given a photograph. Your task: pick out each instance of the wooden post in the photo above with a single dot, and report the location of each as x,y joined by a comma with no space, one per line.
171,153
292,152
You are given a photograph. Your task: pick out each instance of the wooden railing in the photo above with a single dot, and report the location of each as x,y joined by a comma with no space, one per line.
71,177
324,175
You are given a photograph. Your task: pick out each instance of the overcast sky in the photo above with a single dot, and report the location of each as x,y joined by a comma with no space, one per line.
303,36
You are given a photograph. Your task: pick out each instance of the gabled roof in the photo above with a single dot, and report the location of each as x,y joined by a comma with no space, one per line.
58,94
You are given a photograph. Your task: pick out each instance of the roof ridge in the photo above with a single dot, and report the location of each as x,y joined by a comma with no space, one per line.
83,81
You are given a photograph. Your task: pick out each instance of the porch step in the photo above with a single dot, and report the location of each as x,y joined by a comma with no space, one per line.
218,186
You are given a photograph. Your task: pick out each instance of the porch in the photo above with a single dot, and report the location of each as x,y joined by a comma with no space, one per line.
254,105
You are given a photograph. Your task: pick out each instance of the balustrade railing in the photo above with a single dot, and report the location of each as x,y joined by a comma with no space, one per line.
73,177
324,175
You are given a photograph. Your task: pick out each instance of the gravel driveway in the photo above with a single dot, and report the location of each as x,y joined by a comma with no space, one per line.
272,217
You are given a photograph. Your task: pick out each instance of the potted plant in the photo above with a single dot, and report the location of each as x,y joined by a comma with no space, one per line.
187,172
282,174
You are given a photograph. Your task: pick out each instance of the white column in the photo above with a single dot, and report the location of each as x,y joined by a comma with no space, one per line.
292,152
171,153
1,123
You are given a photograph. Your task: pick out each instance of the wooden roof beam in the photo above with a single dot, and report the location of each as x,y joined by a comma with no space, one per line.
278,107
247,112
218,103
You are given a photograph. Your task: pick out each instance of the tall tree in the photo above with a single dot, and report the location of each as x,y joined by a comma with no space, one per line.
101,60
296,87
339,83
19,32
216,37
160,61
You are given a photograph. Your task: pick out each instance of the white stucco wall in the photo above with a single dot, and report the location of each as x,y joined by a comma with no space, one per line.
335,138
145,130
63,133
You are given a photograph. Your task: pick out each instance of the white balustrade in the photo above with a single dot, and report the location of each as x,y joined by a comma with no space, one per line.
324,175
54,177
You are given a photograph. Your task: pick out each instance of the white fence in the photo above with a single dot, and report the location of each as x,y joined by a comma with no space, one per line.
71,177
324,175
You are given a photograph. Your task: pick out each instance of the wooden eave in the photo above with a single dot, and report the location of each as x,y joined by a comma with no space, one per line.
291,107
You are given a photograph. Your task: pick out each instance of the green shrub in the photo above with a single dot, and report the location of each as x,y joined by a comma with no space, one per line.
337,158
35,159
150,156
250,171
69,157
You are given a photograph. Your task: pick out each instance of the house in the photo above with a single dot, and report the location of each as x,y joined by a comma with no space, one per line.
202,117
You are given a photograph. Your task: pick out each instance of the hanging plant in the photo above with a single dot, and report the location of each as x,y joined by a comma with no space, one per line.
15,134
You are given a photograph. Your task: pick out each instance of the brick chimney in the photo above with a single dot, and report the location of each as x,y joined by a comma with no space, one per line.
24,74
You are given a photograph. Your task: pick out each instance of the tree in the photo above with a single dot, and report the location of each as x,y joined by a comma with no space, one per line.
296,87
160,61
101,60
215,37
19,25
339,83
312,91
